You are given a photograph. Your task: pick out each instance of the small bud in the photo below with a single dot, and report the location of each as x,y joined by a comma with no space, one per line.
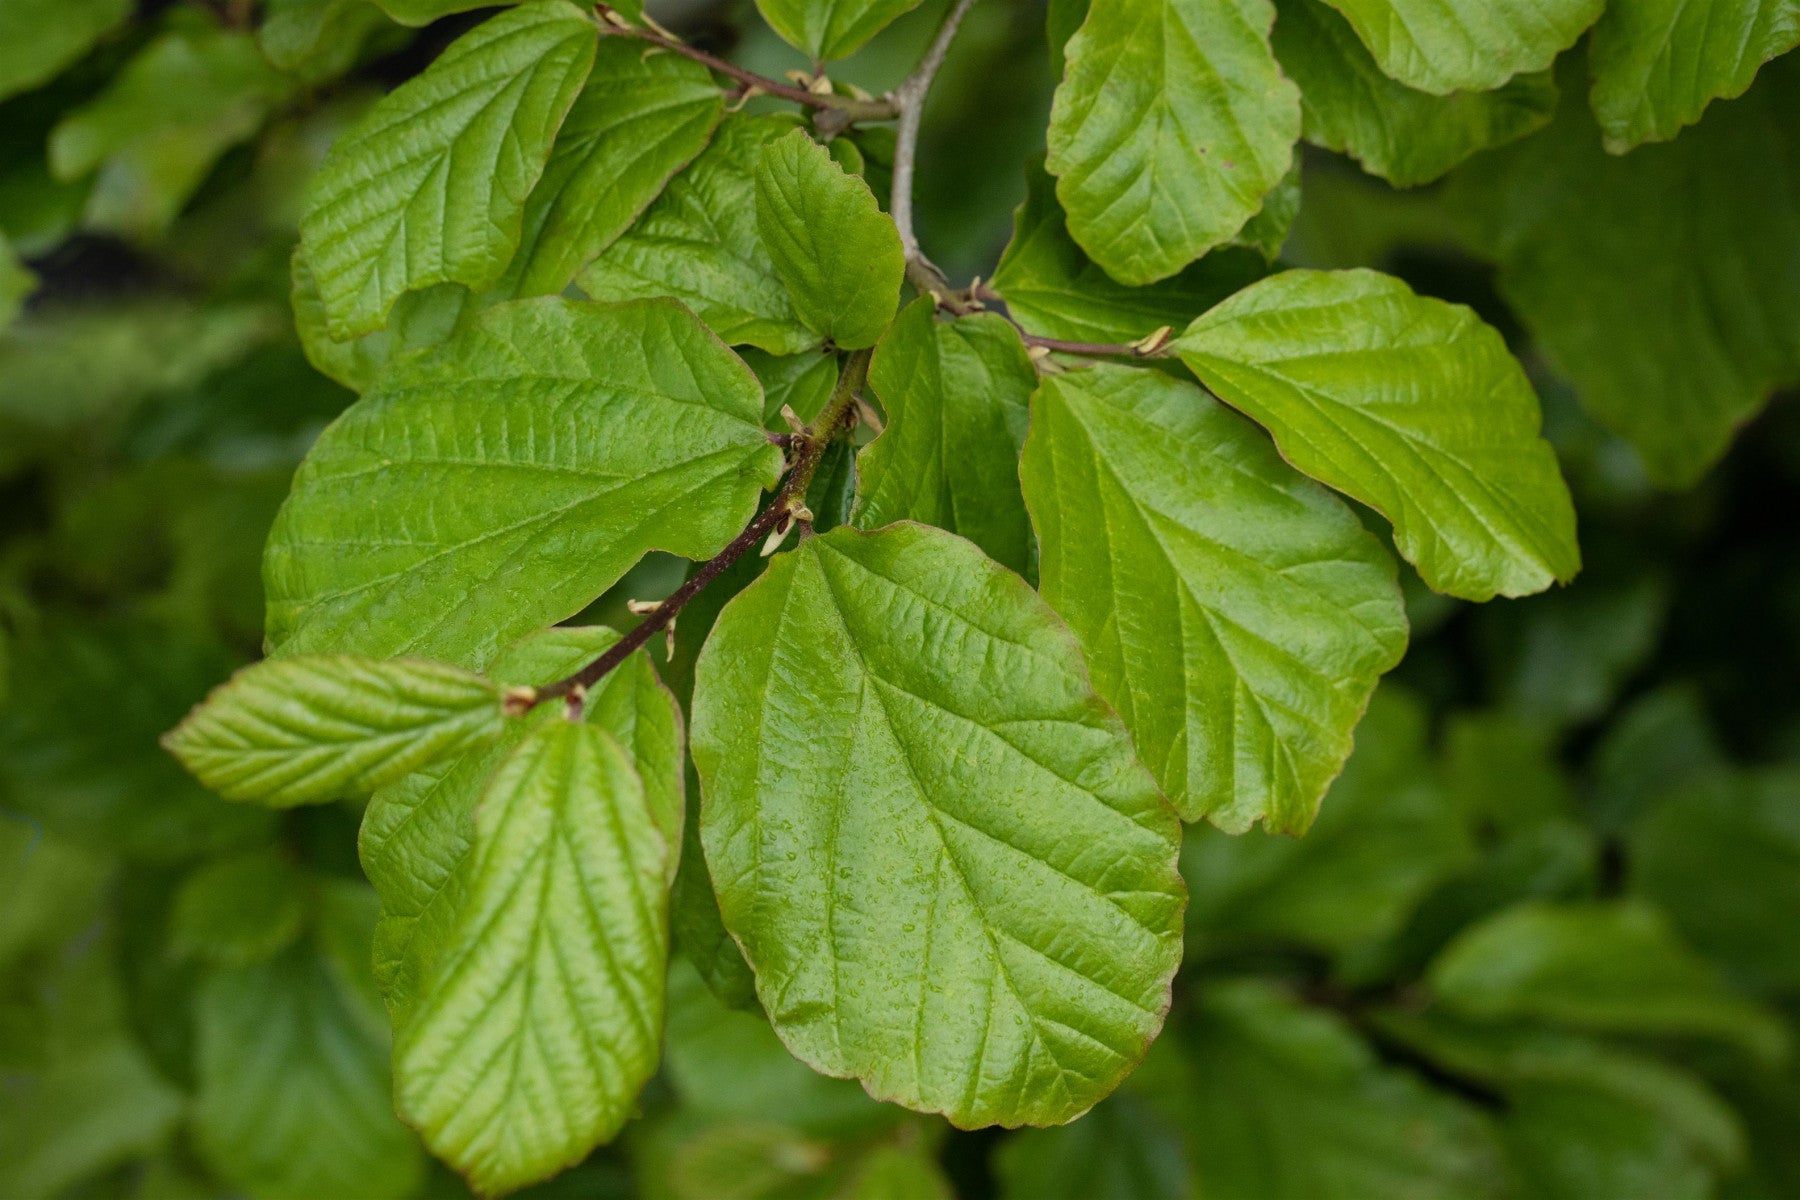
575,703
517,701
642,608
865,412
1154,342
777,536
794,423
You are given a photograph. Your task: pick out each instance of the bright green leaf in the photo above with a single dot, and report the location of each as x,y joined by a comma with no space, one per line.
38,38
1405,136
1053,289
699,243
1603,967
309,729
544,1016
1234,612
1410,405
1658,282
639,120
838,254
239,910
952,878
1444,46
418,321
828,29
430,187
955,394
1171,125
1657,64
524,467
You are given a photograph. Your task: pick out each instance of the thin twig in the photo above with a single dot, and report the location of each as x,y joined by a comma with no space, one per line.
847,108
790,501
909,99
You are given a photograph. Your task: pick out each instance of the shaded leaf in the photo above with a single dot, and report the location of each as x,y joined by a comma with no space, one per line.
828,29
239,910
38,38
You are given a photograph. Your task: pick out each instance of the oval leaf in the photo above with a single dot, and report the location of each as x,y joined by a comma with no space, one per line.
838,254
930,837
310,729
1234,612
1444,46
828,29
1410,405
499,483
545,1015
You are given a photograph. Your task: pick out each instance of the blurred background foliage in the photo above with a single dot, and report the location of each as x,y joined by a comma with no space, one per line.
1544,940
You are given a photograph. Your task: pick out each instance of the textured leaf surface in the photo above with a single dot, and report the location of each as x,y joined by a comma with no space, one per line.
1405,136
833,247
1659,282
544,1017
1609,968
955,394
828,29
310,729
699,243
293,1096
431,186
1413,406
952,878
498,484
1171,125
38,38
416,834
1054,289
1657,64
1236,613
1444,46
639,120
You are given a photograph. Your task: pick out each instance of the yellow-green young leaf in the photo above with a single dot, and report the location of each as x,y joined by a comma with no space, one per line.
1234,612
951,876
544,1016
524,466
828,29
639,120
1405,136
1408,404
416,833
1053,289
1444,46
955,394
1170,127
1657,64
304,730
699,243
38,38
838,254
430,187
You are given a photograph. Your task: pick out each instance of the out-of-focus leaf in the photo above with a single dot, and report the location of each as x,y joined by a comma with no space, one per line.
317,40
1661,744
239,910
1502,771
1562,658
49,890
16,284
1444,46
38,38
892,1173
828,29
1122,1150
1612,967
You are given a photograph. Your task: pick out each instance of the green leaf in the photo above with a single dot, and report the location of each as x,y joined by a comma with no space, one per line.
417,832
699,243
1279,1102
430,187
1410,405
1120,1151
293,1096
1234,612
931,839
828,29
310,729
1386,837
1405,136
1657,64
1574,1143
418,321
833,247
891,1173
1053,289
38,38
239,910
1604,967
162,122
1723,860
956,395
424,12
1172,124
544,1017
639,120
16,284
1268,230
1444,46
803,382
566,440
317,40
1657,282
